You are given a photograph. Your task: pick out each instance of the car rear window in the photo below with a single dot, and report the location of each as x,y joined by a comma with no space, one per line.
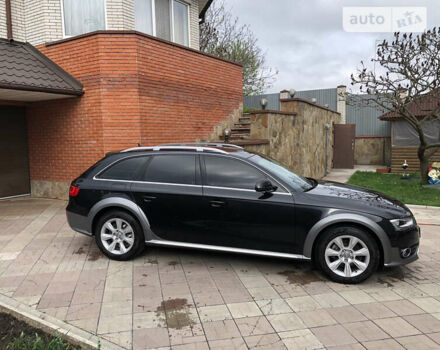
126,169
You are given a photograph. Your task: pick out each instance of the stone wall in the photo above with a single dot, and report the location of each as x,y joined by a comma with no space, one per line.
296,135
370,150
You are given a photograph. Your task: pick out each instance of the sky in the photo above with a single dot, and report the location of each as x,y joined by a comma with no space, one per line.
305,41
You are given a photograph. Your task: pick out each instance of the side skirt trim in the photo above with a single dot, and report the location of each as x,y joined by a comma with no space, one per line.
157,242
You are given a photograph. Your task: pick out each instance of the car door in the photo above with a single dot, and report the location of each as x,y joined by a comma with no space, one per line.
170,194
238,216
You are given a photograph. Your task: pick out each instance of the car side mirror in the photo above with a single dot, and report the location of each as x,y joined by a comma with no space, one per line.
265,186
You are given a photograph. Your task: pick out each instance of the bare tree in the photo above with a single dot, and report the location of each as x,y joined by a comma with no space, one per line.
407,80
221,35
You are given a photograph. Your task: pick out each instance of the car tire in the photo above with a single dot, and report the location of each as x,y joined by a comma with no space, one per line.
347,254
119,236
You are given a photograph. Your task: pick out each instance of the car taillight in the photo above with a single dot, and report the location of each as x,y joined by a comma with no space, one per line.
73,191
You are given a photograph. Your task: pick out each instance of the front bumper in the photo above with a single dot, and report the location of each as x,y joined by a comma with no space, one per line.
409,240
79,223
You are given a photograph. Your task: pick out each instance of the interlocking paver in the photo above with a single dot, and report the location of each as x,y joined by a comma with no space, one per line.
333,336
417,342
424,323
300,339
316,318
396,327
265,342
248,309
184,299
386,344
216,330
365,331
214,313
346,314
254,326
273,306
403,307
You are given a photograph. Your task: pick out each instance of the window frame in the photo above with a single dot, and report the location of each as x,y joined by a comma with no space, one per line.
282,189
63,24
171,6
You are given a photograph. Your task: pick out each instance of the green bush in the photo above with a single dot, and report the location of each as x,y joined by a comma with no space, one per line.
247,109
26,342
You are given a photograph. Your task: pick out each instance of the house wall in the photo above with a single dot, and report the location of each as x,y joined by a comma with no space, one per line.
296,135
138,89
371,150
40,21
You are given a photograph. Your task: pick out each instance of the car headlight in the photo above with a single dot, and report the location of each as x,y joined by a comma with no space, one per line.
401,224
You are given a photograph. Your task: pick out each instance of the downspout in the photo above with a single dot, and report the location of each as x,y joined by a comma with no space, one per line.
327,128
8,19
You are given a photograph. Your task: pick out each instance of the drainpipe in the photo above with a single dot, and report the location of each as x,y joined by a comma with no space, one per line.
8,19
327,128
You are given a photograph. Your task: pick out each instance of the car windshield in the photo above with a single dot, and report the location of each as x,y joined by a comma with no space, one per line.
299,183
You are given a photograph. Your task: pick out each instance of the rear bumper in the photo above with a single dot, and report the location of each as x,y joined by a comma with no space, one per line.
79,223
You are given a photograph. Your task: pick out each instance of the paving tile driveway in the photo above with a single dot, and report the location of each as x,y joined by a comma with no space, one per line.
183,299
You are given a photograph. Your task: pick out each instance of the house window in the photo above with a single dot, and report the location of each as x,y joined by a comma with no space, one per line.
83,16
180,23
143,16
166,19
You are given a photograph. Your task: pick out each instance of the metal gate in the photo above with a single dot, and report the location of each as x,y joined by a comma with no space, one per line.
343,145
14,162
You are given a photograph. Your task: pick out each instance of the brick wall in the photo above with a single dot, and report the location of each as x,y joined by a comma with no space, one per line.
138,89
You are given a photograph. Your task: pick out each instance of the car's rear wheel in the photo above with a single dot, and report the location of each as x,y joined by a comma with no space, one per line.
119,235
347,254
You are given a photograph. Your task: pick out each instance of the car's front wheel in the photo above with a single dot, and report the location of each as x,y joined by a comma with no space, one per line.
119,235
347,254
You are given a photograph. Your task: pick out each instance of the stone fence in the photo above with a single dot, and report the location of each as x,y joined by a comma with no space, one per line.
299,136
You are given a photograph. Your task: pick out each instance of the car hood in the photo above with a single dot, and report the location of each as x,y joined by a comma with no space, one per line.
343,196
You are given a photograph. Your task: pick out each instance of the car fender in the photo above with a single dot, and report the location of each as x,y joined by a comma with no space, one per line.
126,204
346,218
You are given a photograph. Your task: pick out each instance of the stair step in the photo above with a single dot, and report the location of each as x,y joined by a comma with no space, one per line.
242,125
241,130
244,119
239,135
235,137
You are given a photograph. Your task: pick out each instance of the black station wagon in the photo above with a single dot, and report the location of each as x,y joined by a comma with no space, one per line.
223,198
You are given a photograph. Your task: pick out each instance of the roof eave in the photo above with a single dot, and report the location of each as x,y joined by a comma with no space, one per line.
41,89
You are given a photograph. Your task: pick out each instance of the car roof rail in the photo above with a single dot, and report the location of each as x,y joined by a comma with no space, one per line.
205,144
176,148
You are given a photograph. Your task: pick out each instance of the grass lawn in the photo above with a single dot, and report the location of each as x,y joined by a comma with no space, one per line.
409,192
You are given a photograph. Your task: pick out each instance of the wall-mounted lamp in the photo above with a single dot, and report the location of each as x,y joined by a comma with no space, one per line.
326,105
292,92
314,100
227,134
263,103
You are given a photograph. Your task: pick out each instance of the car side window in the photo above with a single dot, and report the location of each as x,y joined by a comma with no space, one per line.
172,168
126,169
226,172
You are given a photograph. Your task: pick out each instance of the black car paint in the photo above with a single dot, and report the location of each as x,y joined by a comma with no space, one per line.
242,219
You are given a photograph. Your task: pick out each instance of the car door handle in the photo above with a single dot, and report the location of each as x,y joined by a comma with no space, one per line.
148,198
217,204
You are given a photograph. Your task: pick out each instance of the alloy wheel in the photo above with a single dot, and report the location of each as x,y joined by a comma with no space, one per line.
117,236
347,256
